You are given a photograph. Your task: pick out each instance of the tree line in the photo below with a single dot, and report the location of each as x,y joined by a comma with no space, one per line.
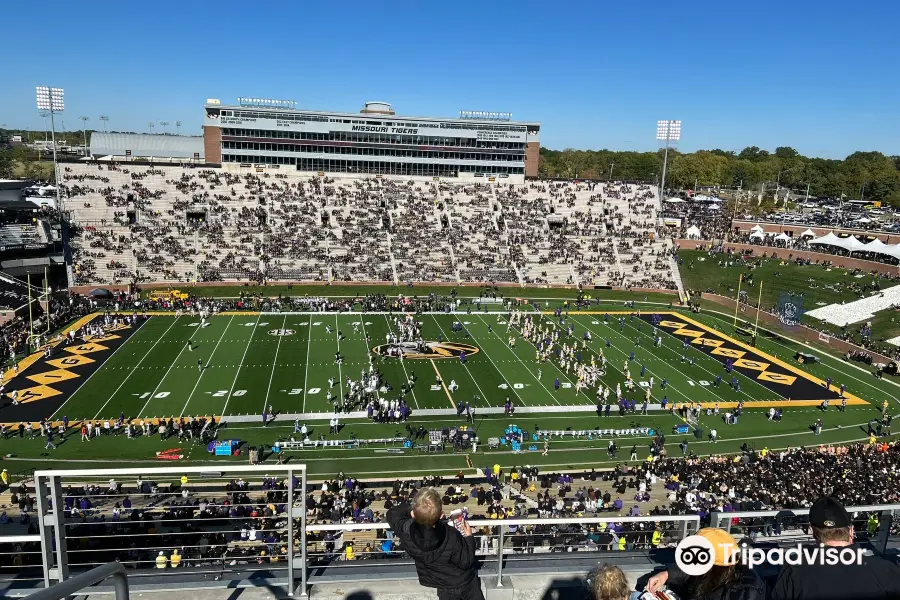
872,174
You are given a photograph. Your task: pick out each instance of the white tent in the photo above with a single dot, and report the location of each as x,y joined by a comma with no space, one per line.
863,220
879,247
675,201
876,245
693,233
808,233
783,237
756,228
713,207
757,235
827,240
850,243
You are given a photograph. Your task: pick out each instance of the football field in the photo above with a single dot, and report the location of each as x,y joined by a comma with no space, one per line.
235,365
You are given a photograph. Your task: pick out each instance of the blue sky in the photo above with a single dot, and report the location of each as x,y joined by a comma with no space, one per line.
818,76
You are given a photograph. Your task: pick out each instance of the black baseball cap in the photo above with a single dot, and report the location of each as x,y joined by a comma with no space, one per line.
828,513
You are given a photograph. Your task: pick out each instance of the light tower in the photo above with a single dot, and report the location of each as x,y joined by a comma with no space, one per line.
84,121
177,127
105,119
52,101
164,125
670,131
150,126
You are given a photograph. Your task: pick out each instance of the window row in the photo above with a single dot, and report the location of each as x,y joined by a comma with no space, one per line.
372,138
374,167
356,151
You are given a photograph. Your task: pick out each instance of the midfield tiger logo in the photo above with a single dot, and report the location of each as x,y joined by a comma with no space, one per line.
429,350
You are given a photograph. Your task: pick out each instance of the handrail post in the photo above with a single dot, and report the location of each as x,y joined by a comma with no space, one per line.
58,520
303,557
884,532
500,557
289,509
42,491
120,582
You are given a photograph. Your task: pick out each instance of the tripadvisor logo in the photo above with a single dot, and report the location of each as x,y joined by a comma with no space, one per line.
695,555
428,350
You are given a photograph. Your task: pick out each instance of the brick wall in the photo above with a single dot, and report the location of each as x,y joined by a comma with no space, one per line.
839,261
532,158
212,144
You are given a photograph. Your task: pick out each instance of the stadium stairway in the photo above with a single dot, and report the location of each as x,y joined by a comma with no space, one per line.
390,242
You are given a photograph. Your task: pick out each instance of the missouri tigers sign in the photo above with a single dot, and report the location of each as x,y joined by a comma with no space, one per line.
429,350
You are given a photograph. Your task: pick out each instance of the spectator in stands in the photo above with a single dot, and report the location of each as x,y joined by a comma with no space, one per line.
610,583
726,580
444,557
832,526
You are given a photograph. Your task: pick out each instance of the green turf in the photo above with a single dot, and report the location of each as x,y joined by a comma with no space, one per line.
817,285
246,367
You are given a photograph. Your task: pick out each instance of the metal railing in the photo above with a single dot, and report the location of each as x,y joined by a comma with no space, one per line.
72,586
874,524
219,526
172,519
497,541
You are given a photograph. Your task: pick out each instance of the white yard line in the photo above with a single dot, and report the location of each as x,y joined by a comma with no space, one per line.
521,361
669,386
402,364
691,401
274,363
475,381
169,370
95,372
362,320
340,371
240,366
306,374
207,362
135,368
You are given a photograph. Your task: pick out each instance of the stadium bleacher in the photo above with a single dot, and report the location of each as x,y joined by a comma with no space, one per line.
178,224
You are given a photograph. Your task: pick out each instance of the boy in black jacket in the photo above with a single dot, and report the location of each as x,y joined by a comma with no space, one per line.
444,557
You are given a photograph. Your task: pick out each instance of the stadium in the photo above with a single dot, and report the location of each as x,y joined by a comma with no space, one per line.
421,310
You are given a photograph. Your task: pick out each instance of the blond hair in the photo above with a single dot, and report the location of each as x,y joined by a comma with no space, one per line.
610,583
835,534
427,507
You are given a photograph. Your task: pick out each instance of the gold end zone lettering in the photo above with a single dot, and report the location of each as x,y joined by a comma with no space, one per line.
56,376
672,324
688,332
86,348
36,393
104,338
707,342
76,360
777,378
751,364
728,352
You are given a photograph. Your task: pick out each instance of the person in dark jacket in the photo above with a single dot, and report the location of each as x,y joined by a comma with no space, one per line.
727,579
444,557
875,577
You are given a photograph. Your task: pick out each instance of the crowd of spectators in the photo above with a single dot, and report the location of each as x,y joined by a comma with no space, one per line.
136,224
